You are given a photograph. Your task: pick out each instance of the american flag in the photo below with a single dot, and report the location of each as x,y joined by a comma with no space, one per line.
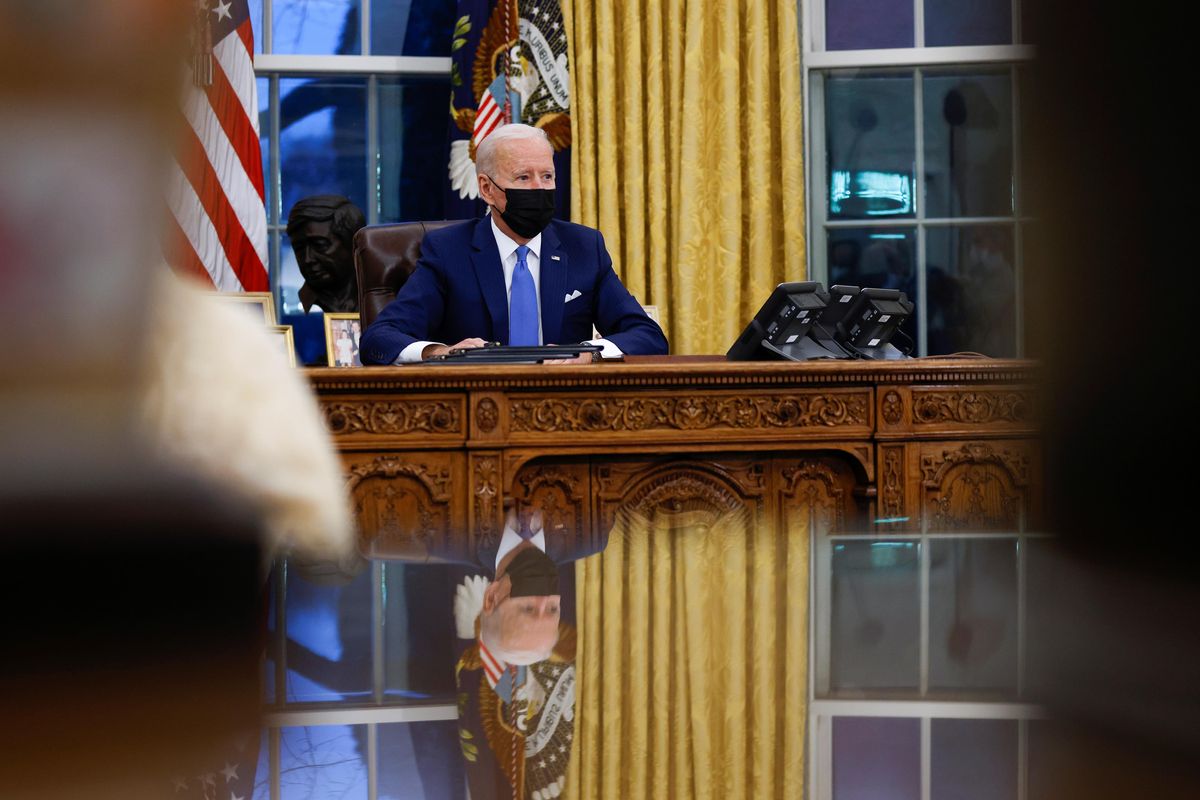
491,110
217,228
237,777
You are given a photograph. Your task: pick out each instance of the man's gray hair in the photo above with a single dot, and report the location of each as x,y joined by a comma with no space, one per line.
485,154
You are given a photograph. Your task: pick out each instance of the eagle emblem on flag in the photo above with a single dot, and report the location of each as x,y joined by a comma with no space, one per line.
508,64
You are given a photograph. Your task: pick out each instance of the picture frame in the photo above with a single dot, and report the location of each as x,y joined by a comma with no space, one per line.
286,339
264,300
342,333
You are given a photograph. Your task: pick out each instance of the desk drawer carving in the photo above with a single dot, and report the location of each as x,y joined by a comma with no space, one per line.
938,410
971,407
639,413
372,419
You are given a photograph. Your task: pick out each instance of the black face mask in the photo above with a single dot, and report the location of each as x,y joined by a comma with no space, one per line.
528,211
532,573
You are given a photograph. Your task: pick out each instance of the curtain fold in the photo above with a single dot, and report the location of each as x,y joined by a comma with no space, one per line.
692,661
687,153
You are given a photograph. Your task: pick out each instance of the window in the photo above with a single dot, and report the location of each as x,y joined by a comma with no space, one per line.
915,162
359,676
352,101
919,653
914,153
359,683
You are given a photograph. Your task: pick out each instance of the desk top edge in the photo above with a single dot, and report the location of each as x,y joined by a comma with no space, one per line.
666,371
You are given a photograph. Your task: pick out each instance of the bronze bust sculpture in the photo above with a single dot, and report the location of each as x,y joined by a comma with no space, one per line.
321,229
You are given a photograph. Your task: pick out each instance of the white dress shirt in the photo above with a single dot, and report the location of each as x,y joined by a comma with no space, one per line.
511,539
508,262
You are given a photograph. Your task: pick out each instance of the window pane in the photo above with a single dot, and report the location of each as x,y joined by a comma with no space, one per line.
322,141
316,27
256,23
971,290
323,761
882,258
290,281
975,758
868,24
1041,561
413,149
870,140
968,144
272,637
420,760
875,612
973,614
1031,189
263,88
952,22
418,630
1035,282
411,27
876,758
328,633
262,771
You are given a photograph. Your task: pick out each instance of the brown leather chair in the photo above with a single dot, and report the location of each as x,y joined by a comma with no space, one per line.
384,257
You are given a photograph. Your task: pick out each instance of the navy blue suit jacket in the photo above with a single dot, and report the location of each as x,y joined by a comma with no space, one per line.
457,292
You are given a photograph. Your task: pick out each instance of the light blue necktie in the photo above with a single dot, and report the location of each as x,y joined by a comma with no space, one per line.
522,304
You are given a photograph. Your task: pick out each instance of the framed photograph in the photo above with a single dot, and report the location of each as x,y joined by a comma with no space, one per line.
342,332
287,344
262,304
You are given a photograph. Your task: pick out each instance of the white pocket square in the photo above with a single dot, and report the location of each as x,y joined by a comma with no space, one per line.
572,296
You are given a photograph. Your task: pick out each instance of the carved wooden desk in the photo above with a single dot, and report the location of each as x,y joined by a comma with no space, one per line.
433,452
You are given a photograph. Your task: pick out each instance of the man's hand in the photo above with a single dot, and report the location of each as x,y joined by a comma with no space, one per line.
582,358
440,349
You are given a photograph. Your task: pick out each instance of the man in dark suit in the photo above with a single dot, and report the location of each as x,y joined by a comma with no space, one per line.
516,276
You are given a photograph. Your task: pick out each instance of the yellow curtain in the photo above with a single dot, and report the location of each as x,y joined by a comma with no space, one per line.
687,153
692,661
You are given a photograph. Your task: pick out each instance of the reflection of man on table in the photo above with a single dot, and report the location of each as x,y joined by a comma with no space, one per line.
516,682
516,276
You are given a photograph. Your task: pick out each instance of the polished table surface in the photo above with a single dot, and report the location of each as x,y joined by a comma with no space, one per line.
432,452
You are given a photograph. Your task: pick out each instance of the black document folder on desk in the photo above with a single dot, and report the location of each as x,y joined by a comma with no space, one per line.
508,354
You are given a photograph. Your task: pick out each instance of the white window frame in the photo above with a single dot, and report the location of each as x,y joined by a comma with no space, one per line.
279,715
274,66
816,60
823,709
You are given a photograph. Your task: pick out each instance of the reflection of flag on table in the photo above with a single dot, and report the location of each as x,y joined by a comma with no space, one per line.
234,779
508,64
217,228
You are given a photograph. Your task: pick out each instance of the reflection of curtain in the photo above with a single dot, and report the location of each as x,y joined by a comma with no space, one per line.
687,154
692,660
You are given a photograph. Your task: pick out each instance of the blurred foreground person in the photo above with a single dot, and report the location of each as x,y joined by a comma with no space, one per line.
1113,647
156,448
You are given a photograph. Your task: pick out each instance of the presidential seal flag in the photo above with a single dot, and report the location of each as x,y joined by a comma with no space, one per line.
508,64
217,226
